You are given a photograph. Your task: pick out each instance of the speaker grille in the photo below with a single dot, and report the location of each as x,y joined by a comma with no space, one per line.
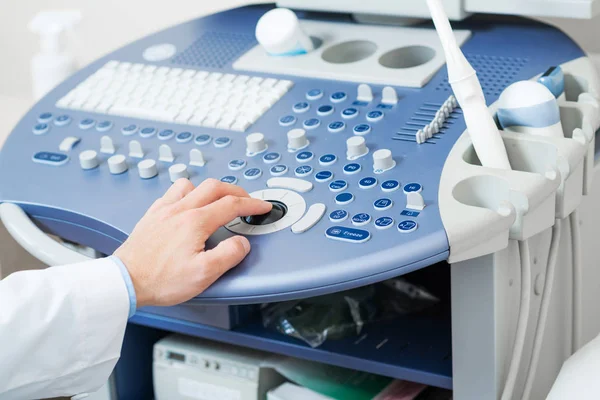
215,50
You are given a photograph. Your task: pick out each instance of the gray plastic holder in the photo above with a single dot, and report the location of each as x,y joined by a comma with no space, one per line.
483,208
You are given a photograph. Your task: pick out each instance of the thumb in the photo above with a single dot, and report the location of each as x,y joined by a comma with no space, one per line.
225,256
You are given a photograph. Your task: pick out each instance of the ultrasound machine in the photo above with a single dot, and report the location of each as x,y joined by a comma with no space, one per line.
353,128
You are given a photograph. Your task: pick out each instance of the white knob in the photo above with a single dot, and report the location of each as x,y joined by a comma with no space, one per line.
297,139
357,147
364,93
147,169
88,159
383,160
255,143
178,171
117,164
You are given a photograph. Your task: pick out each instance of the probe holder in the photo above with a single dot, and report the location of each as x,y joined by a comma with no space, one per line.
482,208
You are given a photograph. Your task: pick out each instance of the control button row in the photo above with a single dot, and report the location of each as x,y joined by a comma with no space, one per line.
353,235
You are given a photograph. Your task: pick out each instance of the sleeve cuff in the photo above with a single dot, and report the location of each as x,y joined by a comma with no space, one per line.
128,284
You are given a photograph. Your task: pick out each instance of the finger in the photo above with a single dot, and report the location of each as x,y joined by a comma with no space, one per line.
226,209
178,190
210,191
222,258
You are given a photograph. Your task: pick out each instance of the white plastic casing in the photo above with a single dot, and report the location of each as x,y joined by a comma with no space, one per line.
280,34
456,9
527,97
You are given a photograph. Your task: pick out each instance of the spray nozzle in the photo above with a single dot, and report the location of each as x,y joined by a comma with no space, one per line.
50,24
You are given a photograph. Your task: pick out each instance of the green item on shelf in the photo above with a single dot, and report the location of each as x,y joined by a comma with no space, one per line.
335,382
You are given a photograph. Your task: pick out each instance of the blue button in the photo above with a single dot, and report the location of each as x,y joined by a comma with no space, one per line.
361,219
314,94
303,170
236,165
407,226
325,110
385,106
410,213
338,216
229,179
352,168
312,123
367,183
349,113
383,204
338,97
384,222
390,186
129,129
202,140
301,107
360,103
62,120
344,198
166,134
413,187
327,159
40,129
86,123
148,132
44,117
350,235
362,129
323,176
375,116
304,156
336,126
184,137
49,158
271,158
104,126
278,170
222,141
252,173
338,185
287,120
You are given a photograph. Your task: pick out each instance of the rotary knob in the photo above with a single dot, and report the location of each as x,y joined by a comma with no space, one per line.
88,159
297,139
147,169
383,160
178,171
357,147
255,143
117,164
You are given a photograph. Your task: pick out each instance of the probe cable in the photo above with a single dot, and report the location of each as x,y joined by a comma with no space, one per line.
519,344
577,280
546,296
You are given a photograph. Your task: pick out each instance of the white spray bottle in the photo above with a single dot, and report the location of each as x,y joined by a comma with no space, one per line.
54,63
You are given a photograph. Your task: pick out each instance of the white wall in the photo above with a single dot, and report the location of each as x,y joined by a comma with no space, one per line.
107,25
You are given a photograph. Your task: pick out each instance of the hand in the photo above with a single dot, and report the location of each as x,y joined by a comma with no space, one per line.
165,253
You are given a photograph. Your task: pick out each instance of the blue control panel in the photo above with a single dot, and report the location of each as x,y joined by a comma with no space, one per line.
355,226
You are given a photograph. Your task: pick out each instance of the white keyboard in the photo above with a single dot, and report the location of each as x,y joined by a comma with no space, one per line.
184,96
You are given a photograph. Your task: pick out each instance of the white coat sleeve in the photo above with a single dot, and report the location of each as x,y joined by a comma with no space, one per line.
579,377
61,329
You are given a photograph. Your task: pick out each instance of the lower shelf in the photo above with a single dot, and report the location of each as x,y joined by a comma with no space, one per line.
415,348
